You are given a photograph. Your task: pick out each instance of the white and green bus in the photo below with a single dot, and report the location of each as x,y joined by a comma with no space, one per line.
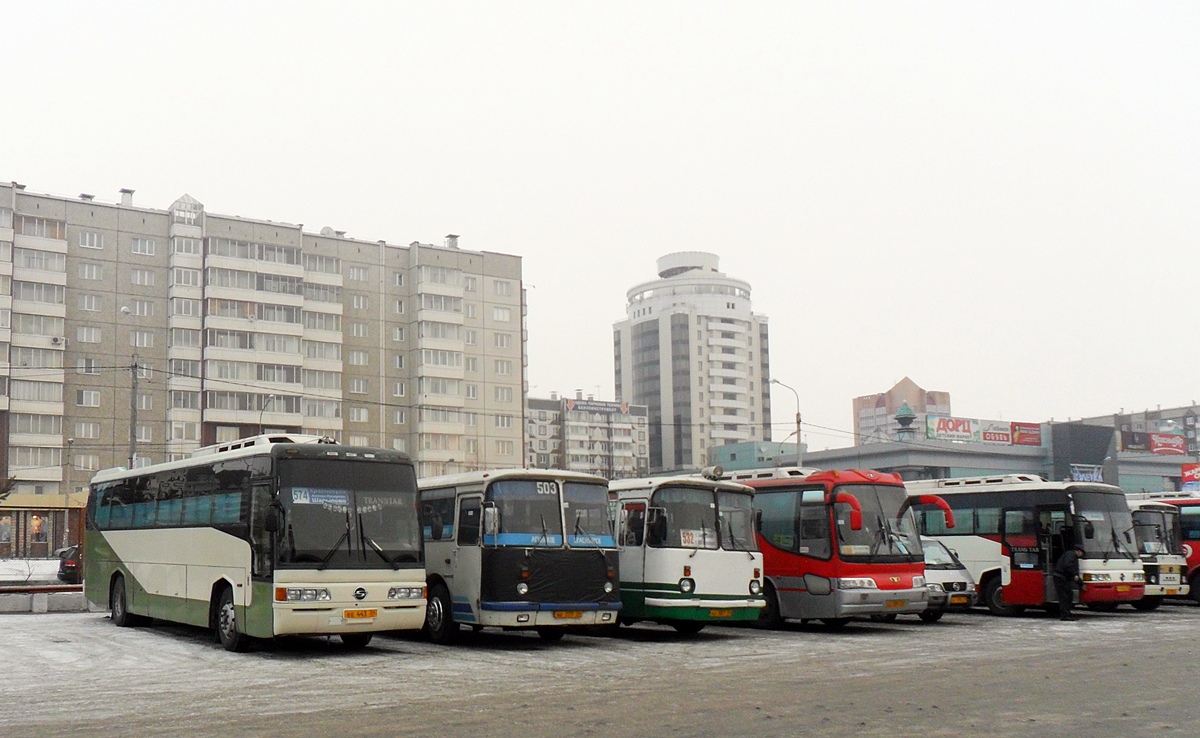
689,556
262,537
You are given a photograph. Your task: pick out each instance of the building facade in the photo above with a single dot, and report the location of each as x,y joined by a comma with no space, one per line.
610,439
874,415
695,354
132,335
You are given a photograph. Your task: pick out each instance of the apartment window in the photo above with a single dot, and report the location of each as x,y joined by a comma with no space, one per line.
398,279
141,339
470,310
143,246
503,367
36,391
504,394
471,419
91,240
398,307
504,421
185,337
469,337
44,261
359,386
359,441
398,389
141,277
398,417
90,303
360,302
322,321
501,287
184,400
185,245
398,361
52,294
502,340
87,398
185,306
505,448
356,358
28,225
398,333
323,264
185,431
87,429
142,308
88,334
358,274
185,368
472,391
45,425
472,364
470,284
502,314
145,434
181,277
359,415
358,330
90,270
86,365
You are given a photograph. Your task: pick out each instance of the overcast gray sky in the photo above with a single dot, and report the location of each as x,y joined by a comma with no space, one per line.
999,200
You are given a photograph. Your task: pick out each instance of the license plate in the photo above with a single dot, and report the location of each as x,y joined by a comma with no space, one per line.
567,614
359,614
897,603
959,600
720,613
1122,587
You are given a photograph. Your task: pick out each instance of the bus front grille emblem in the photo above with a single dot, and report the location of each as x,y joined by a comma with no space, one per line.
360,593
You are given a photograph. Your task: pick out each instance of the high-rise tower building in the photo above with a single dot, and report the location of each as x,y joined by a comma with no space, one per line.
694,353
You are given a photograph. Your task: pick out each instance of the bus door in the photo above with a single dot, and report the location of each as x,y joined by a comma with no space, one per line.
1054,537
466,559
632,539
1027,573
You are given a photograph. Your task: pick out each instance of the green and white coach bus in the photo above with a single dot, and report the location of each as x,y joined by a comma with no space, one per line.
689,555
267,536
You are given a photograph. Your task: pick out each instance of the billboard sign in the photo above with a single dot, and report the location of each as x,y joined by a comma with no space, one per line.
946,428
1087,473
994,431
1167,443
1190,474
597,406
1026,434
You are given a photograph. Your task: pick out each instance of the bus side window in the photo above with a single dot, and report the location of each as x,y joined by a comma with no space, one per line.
468,522
260,539
1189,522
635,524
438,520
814,530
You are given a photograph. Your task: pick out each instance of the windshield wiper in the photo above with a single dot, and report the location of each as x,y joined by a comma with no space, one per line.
344,537
545,530
734,539
366,539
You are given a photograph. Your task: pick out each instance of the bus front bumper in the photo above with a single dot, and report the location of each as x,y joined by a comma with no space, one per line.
1111,591
852,602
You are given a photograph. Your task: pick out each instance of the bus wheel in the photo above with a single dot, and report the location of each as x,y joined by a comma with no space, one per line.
931,616
1147,604
993,597
687,627
769,617
835,623
551,634
356,640
439,619
119,604
227,631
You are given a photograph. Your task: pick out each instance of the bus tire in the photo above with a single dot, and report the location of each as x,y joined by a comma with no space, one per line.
118,603
687,627
550,635
931,616
356,640
769,618
993,597
1147,604
439,616
227,625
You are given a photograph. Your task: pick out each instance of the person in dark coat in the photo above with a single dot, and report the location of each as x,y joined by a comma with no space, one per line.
1066,573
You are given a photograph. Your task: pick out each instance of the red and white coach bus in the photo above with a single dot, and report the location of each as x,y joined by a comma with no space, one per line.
837,544
1189,533
1012,528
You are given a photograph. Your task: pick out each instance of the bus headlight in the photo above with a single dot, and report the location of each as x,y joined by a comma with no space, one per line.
405,593
1138,576
934,587
296,594
856,583
918,581
687,586
1097,576
522,588
755,587
608,587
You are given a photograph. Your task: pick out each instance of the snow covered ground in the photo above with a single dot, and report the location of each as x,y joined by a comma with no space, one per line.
28,571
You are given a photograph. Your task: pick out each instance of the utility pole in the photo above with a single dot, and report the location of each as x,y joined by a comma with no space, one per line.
133,403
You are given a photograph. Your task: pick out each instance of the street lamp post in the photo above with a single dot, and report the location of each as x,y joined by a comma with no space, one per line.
268,399
797,394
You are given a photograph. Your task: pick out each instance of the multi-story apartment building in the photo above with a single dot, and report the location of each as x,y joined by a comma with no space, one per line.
875,415
610,439
181,328
694,353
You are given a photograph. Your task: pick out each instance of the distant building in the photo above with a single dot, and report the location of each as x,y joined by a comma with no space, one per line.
875,415
754,455
587,435
694,353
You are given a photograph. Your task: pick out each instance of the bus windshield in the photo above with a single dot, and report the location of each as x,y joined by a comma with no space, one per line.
735,512
586,506
356,514
683,517
1104,524
937,556
529,513
1157,532
885,535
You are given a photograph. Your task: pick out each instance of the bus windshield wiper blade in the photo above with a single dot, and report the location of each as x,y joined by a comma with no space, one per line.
368,541
344,537
545,530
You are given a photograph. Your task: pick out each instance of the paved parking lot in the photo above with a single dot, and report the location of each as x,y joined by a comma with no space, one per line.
1115,674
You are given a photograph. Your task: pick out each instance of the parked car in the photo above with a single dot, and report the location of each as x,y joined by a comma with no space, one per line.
951,588
70,567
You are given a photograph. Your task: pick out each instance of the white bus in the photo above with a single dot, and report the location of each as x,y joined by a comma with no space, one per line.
518,549
689,555
1010,530
263,537
1160,544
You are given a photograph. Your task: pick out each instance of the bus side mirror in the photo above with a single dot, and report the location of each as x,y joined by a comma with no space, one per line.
273,520
1089,530
656,526
489,521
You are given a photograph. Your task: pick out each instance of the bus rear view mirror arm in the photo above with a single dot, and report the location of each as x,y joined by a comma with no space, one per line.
855,508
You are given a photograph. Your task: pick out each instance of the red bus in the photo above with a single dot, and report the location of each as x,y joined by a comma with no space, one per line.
1012,528
1189,528
837,544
